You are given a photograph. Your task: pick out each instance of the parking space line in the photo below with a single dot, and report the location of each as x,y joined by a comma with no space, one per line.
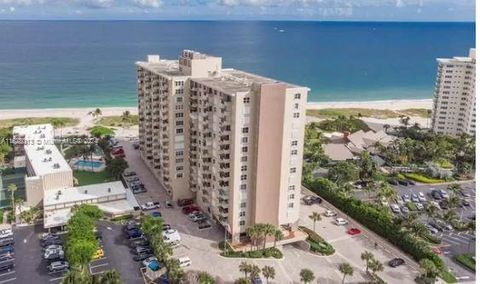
56,279
7,273
98,265
8,280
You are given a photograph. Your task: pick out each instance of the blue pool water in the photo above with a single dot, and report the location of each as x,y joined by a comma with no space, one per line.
89,164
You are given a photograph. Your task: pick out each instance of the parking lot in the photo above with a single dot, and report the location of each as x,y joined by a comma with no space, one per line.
453,242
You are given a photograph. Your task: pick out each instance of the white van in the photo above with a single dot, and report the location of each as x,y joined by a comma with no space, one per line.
184,261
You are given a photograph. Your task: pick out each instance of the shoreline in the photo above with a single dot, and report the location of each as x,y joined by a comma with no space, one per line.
112,111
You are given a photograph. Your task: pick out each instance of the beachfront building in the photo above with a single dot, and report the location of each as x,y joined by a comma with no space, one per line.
454,97
49,181
230,139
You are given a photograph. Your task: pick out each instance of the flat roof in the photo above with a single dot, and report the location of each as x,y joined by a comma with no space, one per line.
40,150
82,193
168,68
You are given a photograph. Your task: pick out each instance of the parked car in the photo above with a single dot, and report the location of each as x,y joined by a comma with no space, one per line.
6,242
465,194
139,190
392,181
432,229
422,197
166,227
150,205
142,256
129,173
184,261
132,178
403,182
53,247
443,204
190,209
444,193
168,204
436,225
7,265
6,249
396,262
49,236
330,213
405,197
136,146
6,233
147,260
134,234
353,231
54,254
436,195
204,225
98,254
139,242
311,199
197,217
156,214
50,242
465,203
256,280
395,208
419,206
184,202
58,266
131,225
404,210
415,198
154,265
6,256
142,249
341,222
410,182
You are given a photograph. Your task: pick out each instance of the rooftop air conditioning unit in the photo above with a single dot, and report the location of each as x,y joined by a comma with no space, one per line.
86,191
109,189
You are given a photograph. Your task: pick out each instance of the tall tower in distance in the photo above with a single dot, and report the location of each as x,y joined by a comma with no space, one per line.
231,140
454,97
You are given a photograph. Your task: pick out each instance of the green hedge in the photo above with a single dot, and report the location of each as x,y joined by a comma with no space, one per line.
467,260
317,243
372,217
422,178
262,253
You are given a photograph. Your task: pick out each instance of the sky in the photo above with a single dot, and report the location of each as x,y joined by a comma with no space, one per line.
320,10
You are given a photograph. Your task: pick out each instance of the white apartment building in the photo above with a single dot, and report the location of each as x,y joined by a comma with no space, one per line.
230,139
454,98
49,180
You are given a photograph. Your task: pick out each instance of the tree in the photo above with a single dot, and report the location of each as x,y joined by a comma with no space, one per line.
455,188
75,276
174,271
267,230
242,280
278,237
315,216
268,272
245,268
116,167
375,266
367,257
108,277
345,269
429,269
98,112
306,275
205,278
152,225
254,271
431,211
342,173
80,251
387,192
367,167
12,188
19,203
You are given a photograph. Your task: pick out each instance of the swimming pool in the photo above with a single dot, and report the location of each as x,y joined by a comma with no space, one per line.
89,164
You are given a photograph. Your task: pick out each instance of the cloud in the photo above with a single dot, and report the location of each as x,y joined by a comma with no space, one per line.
21,2
96,3
147,3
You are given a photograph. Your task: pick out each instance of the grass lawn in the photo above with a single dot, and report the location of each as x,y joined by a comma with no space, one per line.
366,112
118,121
86,178
64,121
466,260
448,277
422,178
100,131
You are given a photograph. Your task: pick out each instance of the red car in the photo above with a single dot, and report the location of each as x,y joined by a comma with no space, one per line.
353,231
190,209
437,251
119,155
184,202
118,151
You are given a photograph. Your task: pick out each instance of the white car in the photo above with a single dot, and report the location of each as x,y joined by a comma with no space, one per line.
330,213
6,233
419,206
171,236
150,205
422,197
184,261
395,208
341,222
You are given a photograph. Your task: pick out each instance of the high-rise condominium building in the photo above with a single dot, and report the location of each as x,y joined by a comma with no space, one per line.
230,139
454,98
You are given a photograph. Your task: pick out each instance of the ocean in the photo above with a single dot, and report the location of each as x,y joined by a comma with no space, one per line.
55,64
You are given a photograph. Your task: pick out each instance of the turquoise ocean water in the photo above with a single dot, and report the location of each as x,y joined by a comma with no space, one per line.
53,64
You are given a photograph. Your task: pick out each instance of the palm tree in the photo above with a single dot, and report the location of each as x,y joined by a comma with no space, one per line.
375,266
268,272
455,188
453,202
267,230
315,217
253,233
19,203
345,269
245,268
174,271
306,276
387,192
431,211
110,277
278,237
254,271
98,112
418,228
205,278
12,188
429,269
367,257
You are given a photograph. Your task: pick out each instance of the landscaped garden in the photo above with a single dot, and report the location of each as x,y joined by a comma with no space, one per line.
318,244
467,260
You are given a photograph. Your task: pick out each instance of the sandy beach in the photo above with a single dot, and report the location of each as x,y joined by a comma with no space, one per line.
387,104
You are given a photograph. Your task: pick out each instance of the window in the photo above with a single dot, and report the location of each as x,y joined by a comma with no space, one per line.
244,158
298,96
242,214
293,170
244,139
179,175
179,161
179,130
290,205
242,223
291,196
244,168
179,168
179,100
296,115
296,105
179,107
179,114
243,177
246,100
243,186
245,130
291,187
244,149
294,143
178,91
243,205
179,153
293,152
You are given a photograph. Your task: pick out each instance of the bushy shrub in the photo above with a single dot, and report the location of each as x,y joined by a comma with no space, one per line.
317,243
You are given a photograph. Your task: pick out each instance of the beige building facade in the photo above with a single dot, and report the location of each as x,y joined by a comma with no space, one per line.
233,140
454,110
